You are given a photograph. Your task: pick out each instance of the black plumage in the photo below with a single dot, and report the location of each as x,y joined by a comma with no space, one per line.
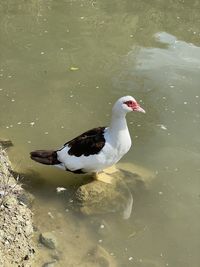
88,143
48,157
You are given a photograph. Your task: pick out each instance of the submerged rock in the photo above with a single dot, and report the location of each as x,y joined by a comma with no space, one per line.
5,143
98,197
49,264
48,240
26,198
98,257
135,175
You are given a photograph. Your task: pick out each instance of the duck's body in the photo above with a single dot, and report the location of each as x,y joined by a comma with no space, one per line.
96,149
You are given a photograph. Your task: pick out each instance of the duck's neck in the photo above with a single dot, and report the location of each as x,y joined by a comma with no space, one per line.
118,125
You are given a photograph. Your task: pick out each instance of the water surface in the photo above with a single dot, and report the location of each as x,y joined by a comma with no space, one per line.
63,64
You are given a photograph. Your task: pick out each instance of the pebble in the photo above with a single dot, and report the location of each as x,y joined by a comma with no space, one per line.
48,240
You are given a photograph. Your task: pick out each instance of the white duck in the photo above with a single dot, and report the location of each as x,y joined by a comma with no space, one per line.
96,149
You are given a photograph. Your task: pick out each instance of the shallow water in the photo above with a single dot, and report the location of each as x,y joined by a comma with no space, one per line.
63,64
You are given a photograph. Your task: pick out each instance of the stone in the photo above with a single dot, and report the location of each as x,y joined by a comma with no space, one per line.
98,197
28,228
49,264
114,194
26,198
98,257
6,143
135,174
9,201
48,240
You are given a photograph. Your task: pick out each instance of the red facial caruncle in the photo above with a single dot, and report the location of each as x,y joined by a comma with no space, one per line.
134,106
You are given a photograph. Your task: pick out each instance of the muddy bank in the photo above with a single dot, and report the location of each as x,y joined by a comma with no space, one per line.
16,229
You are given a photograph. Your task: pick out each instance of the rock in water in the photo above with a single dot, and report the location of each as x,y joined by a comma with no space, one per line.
6,143
98,197
48,240
49,264
135,174
26,198
98,257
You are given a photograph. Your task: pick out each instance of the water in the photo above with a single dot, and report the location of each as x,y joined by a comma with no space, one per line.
63,64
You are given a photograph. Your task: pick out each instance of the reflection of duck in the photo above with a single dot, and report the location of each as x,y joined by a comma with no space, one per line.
97,148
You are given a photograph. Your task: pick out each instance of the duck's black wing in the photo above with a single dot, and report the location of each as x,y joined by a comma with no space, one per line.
88,143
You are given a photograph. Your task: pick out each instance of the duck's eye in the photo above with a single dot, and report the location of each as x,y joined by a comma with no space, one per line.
129,103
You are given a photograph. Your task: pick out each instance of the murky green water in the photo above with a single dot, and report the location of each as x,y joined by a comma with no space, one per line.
62,65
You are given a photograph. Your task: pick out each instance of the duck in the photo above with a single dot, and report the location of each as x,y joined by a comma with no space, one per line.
97,149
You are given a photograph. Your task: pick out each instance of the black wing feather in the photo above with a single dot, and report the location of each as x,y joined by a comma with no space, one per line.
88,143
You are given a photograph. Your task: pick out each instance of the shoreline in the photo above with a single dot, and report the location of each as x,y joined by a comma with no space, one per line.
16,222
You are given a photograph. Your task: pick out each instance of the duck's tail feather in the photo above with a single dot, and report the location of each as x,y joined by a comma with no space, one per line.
48,157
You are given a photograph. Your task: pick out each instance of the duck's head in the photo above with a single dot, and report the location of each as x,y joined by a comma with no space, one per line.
127,104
